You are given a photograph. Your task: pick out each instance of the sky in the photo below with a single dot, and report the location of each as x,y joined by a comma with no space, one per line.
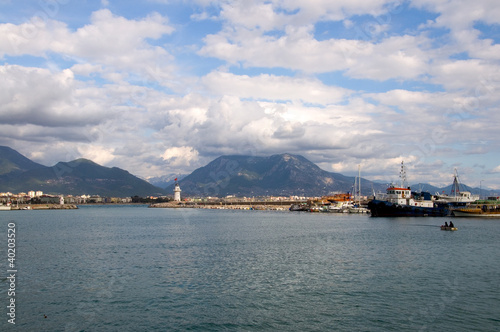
162,87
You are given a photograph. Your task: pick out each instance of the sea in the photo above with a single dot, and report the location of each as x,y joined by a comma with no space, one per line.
134,268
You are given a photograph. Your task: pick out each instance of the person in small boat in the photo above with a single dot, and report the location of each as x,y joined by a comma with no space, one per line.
446,224
451,224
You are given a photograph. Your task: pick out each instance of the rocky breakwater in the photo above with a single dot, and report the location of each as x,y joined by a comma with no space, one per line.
225,205
44,207
169,205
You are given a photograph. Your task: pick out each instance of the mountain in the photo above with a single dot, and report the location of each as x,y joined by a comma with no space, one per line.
283,175
12,161
162,181
77,177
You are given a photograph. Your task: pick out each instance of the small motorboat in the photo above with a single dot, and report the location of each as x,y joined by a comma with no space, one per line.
448,228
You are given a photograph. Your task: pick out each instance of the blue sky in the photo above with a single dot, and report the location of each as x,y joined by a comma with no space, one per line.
163,87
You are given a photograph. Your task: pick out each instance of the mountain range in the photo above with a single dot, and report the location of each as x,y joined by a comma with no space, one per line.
278,175
77,177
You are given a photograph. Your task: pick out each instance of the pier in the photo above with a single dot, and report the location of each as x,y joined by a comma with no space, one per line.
231,205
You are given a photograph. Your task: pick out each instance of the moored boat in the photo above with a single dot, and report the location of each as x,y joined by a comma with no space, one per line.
402,202
356,207
478,210
458,197
299,207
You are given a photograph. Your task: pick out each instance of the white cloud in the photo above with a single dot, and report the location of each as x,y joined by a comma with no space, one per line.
118,41
97,153
496,169
403,57
40,97
34,37
86,69
270,15
276,88
180,156
297,50
461,14
467,74
109,40
253,14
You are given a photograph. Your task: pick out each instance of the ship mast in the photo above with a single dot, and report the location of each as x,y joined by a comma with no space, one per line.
402,175
455,187
359,184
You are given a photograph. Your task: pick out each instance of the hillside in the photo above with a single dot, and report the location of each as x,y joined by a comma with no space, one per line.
77,177
12,161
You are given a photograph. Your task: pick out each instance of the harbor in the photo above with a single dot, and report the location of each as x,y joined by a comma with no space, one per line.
398,201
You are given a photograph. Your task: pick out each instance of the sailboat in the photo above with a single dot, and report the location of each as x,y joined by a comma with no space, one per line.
356,208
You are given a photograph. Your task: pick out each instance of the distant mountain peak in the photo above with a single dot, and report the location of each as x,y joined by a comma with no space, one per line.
83,160
280,175
12,161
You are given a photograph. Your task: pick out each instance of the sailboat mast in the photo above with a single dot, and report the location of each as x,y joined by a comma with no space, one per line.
456,186
359,184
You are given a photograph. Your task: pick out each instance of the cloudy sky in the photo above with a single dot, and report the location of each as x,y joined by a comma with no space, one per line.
162,87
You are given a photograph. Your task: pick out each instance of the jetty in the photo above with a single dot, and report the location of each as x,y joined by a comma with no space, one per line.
44,207
229,205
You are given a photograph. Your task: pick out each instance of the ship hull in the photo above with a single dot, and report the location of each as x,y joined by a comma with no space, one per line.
387,209
476,214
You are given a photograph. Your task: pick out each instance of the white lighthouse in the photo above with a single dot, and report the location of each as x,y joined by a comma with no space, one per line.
177,192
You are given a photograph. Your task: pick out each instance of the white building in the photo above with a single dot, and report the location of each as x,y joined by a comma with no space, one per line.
177,193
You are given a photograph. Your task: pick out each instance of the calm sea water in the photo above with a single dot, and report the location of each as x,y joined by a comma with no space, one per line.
132,268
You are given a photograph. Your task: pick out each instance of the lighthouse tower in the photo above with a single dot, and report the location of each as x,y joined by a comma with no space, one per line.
177,192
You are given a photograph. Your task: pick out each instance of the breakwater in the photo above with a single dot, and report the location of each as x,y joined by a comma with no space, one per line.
245,205
44,207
